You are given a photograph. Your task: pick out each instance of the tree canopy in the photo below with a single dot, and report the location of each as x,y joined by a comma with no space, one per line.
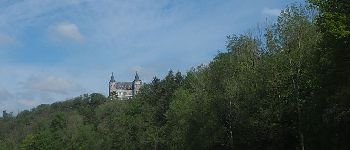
288,89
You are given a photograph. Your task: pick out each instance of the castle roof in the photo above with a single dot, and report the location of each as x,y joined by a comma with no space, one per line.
137,78
112,78
124,85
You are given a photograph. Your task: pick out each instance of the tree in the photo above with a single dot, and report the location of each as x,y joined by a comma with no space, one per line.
333,72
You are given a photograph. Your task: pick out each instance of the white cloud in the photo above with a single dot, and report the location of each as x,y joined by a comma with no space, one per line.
51,84
27,86
28,102
67,30
5,95
146,74
14,102
6,39
125,34
6,99
136,68
271,11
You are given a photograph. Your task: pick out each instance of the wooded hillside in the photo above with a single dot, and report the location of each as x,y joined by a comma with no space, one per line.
287,89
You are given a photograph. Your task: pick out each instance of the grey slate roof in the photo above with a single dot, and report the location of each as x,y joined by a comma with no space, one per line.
124,85
137,78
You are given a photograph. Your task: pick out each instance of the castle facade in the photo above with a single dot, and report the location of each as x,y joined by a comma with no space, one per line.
124,90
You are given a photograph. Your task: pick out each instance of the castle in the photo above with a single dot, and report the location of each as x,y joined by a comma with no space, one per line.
124,90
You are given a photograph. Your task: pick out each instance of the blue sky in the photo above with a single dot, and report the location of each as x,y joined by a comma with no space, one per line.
52,50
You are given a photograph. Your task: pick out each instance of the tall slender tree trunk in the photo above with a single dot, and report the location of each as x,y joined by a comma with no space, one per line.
231,132
155,144
301,135
296,88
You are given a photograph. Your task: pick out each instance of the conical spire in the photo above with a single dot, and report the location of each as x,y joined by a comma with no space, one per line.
112,78
137,77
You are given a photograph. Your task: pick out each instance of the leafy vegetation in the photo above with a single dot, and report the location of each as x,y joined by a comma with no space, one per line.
287,90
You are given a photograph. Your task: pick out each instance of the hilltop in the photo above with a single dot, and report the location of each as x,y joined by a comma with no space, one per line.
286,90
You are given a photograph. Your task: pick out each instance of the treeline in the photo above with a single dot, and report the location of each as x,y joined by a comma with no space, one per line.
287,89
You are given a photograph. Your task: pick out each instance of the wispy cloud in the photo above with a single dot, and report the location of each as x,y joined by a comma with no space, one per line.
51,84
120,36
5,94
67,30
271,11
12,102
136,68
6,39
144,73
5,98
28,102
27,86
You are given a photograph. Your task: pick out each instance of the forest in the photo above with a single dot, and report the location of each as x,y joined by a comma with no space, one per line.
286,88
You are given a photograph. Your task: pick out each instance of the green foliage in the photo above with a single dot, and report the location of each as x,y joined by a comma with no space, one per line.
287,90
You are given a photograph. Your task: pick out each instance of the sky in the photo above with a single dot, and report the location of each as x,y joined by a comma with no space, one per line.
53,50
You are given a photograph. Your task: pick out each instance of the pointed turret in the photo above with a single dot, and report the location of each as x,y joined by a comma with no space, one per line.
137,78
112,86
112,78
136,84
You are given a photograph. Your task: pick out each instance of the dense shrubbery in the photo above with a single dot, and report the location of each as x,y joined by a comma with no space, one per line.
288,90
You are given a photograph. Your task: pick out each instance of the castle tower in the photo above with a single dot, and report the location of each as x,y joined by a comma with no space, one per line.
112,87
136,84
4,114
